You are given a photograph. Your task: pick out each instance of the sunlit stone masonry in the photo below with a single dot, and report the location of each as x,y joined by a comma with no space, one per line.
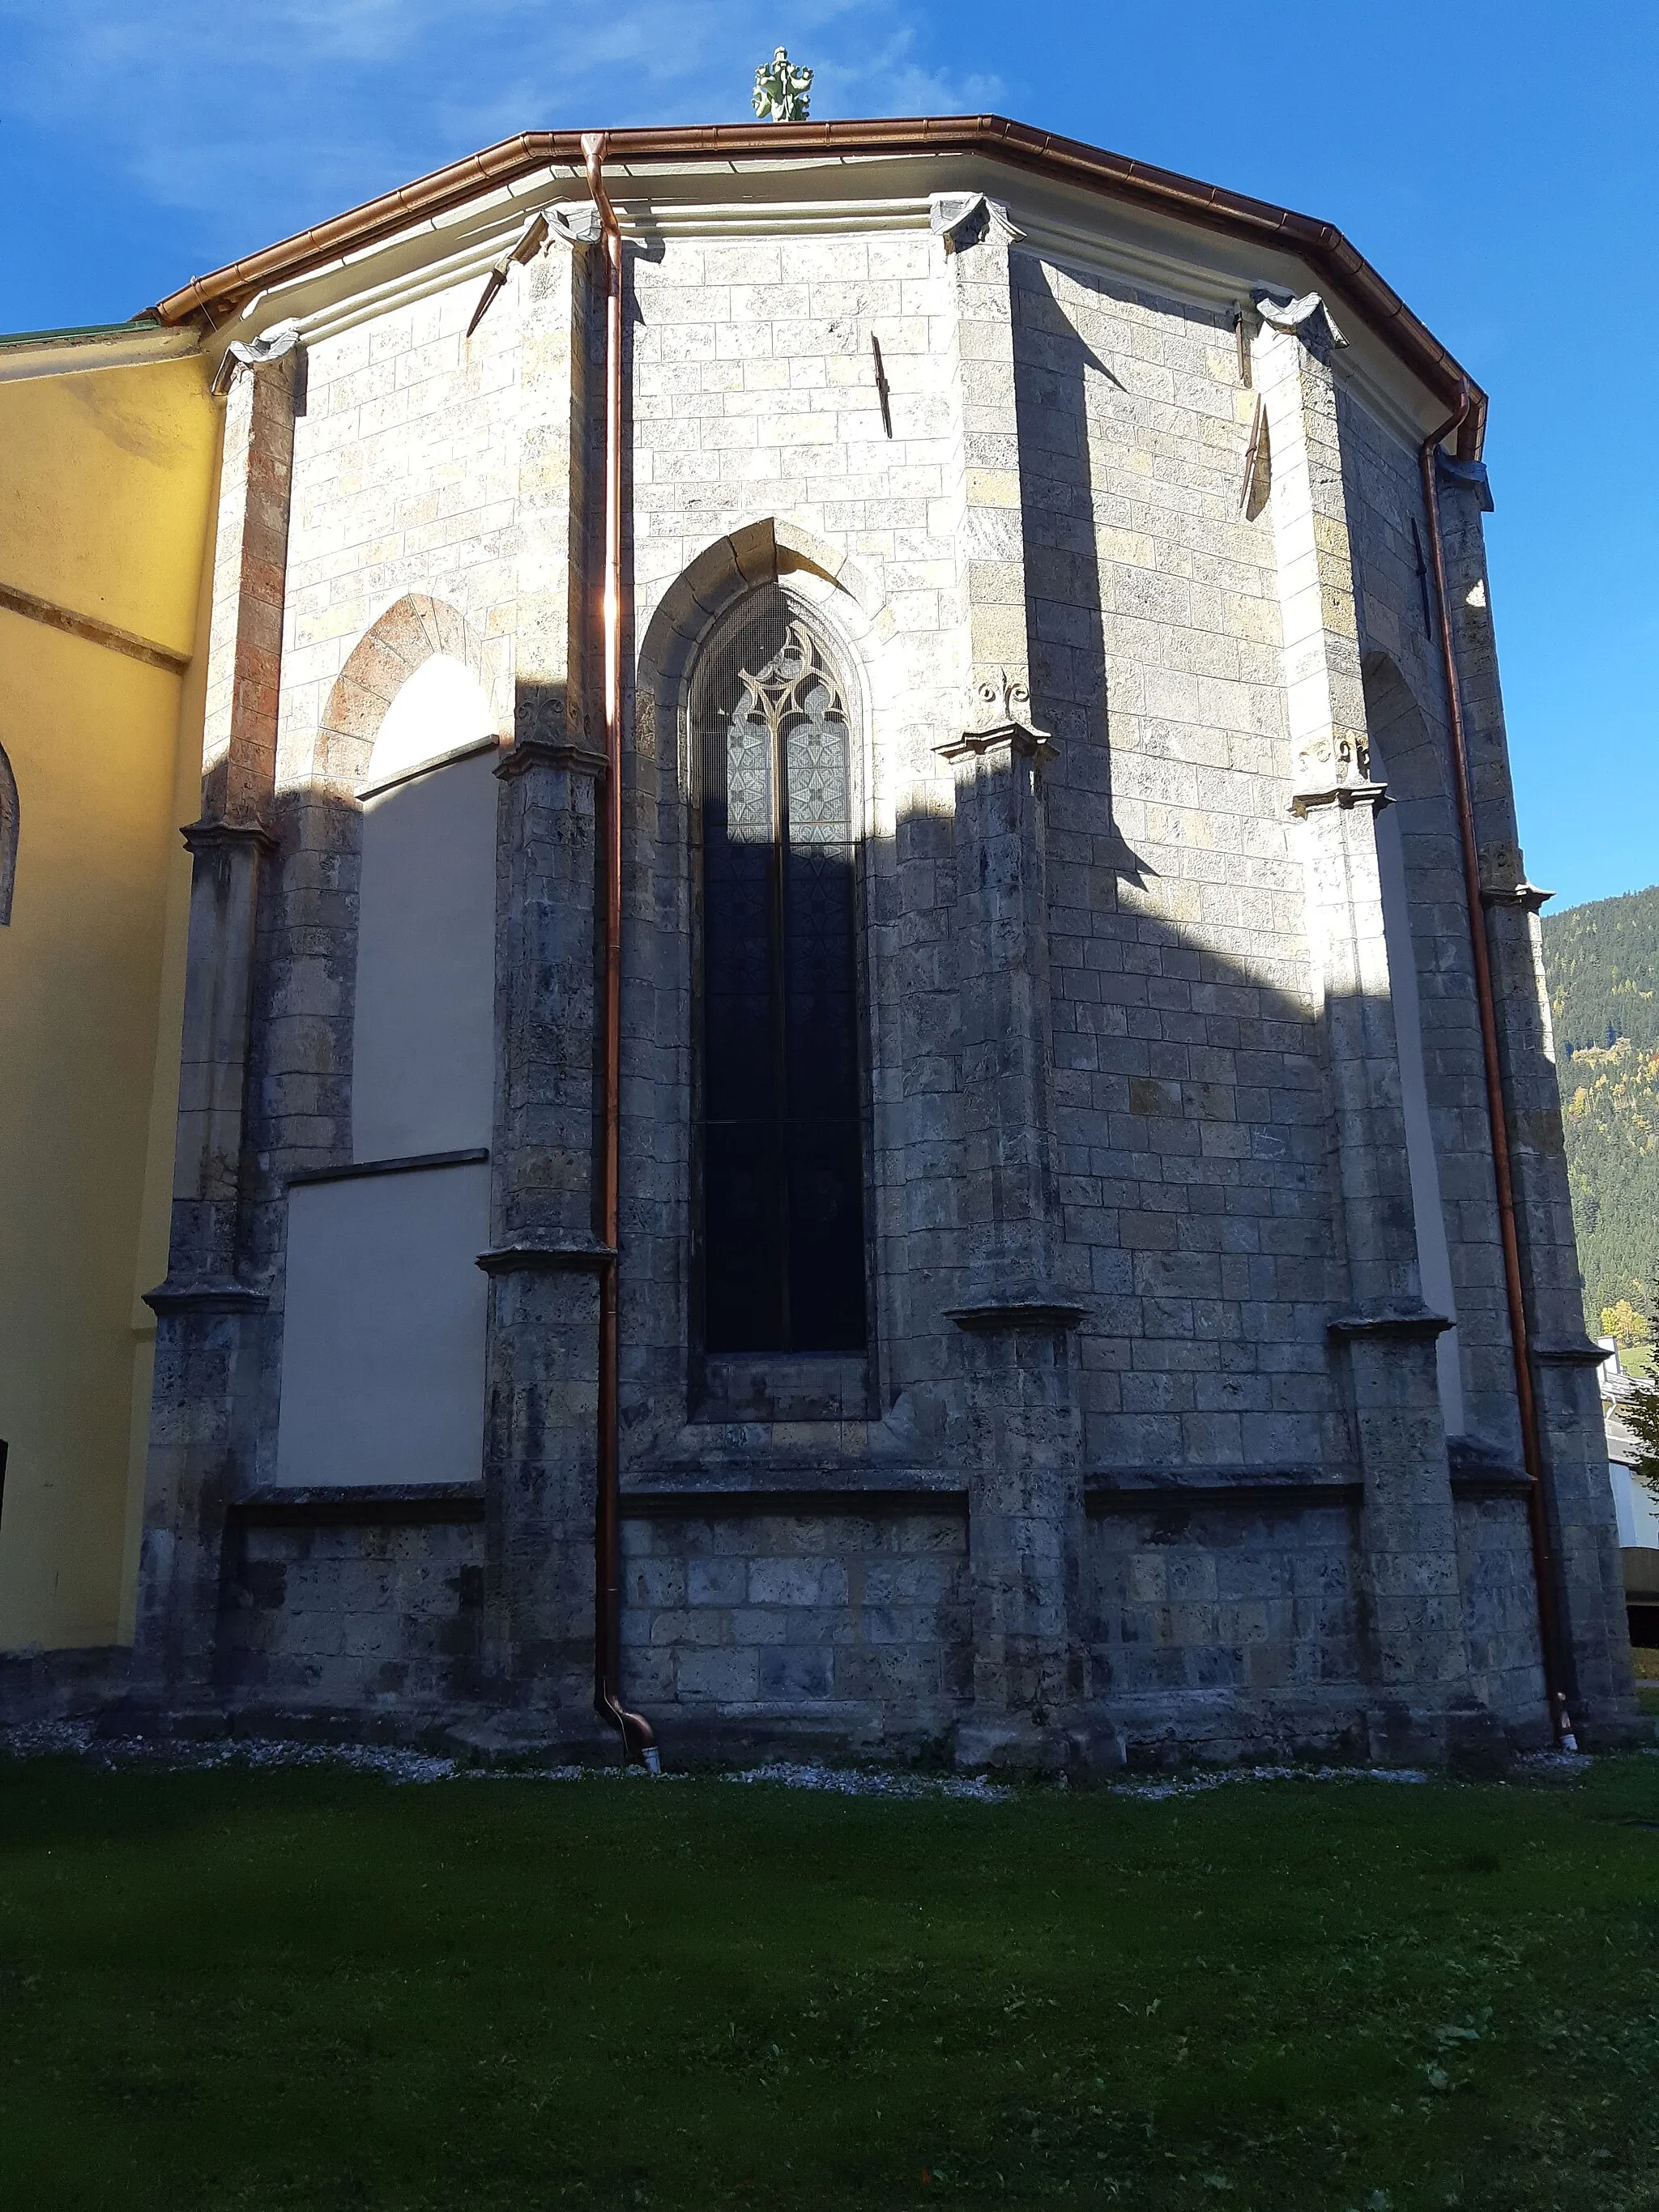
1024,1280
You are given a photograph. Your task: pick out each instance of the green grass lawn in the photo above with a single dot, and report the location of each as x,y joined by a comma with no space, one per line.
314,1989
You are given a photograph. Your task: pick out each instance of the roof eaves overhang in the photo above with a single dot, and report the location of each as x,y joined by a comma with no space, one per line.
31,353
1320,245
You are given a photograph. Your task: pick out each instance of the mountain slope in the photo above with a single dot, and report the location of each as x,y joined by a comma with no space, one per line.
1602,964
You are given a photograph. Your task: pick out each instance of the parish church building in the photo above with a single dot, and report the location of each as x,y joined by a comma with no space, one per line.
846,1052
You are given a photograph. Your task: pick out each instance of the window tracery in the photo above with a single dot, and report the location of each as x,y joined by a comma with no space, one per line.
783,1263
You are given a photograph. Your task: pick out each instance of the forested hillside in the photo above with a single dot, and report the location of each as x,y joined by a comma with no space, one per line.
1602,963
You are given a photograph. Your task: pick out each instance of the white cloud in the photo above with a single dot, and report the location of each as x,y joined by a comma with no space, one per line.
257,117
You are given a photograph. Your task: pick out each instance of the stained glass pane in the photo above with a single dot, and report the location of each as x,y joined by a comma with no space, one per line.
782,1149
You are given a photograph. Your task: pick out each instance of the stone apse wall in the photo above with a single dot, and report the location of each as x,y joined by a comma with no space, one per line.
1171,1075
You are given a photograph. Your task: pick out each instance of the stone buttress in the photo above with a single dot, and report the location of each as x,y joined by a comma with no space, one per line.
1148,1453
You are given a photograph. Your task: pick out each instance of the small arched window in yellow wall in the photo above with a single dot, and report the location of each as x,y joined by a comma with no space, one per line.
8,836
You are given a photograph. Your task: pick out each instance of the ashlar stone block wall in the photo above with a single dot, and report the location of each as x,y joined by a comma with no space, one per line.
972,461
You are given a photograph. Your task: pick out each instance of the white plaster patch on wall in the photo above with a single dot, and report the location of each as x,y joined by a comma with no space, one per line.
383,1342
424,1040
1433,1252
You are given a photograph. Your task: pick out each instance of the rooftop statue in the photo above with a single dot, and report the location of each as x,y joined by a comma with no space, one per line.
783,92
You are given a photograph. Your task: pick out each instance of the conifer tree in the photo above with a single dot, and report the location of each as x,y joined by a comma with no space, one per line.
1639,1412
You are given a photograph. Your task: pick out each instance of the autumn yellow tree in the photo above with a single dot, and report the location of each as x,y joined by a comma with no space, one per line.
1625,1326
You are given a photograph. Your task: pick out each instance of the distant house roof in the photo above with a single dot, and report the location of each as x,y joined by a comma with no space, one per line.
1320,245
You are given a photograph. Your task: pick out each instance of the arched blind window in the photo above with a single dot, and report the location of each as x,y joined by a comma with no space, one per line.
782,1147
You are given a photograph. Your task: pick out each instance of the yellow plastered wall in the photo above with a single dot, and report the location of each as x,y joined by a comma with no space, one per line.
105,484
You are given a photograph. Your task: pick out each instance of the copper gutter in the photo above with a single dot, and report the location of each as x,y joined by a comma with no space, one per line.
1543,1563
638,1742
1321,245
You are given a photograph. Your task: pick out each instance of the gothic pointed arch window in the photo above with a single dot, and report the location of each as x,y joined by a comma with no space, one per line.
782,1214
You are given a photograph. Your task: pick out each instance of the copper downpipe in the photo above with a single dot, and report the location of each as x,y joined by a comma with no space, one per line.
638,1742
1543,1563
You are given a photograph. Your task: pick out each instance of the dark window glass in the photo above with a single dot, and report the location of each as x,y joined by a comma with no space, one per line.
782,1150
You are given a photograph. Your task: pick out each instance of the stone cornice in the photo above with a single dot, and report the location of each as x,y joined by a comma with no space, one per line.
221,836
1374,795
208,1294
1405,1322
782,1489
991,1317
1002,722
962,219
547,1257
1524,895
1577,1352
1210,1489
1299,317
352,1505
258,353
531,752
574,222
509,170
405,1163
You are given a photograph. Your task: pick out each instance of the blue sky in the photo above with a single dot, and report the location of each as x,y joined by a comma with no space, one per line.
1498,163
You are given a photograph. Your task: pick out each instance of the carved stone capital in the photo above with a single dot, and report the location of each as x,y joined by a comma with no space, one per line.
993,1316
574,222
1002,720
207,1294
227,837
1308,316
533,752
1465,475
1581,1352
1329,759
1406,1324
1374,795
1524,895
582,1255
962,219
255,355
